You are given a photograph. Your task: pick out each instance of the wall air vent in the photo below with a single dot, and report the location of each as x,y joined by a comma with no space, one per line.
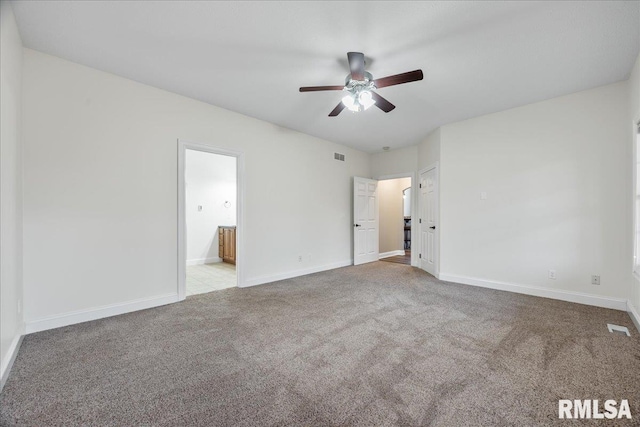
338,156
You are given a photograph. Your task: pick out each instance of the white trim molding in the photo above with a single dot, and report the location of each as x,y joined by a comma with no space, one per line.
391,253
291,274
569,296
11,357
96,313
396,176
635,316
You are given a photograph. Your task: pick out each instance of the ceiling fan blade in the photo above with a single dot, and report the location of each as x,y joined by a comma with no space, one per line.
337,110
319,88
356,65
382,103
398,79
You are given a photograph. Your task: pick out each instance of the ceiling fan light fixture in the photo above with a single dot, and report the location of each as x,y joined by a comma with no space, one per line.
350,102
358,100
366,99
360,85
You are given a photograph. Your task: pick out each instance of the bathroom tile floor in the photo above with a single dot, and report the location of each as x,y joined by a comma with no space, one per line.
204,278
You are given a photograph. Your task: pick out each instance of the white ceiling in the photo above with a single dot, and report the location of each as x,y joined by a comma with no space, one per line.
251,57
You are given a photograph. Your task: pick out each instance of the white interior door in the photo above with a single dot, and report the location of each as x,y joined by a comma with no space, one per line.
365,220
428,220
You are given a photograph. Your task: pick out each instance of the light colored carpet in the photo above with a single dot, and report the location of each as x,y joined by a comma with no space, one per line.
372,345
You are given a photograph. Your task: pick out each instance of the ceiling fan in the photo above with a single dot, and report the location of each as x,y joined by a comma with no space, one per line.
359,85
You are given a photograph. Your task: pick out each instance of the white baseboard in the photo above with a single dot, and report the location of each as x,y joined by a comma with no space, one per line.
633,313
296,273
7,364
570,296
96,313
391,253
199,261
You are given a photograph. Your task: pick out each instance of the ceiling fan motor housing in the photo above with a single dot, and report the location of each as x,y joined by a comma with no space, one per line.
356,87
350,83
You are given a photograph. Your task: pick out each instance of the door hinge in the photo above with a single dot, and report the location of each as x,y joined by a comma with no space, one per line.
419,255
420,221
420,185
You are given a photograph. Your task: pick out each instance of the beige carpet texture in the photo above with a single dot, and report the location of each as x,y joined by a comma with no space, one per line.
380,344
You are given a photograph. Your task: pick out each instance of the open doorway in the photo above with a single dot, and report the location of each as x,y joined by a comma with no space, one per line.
208,213
395,220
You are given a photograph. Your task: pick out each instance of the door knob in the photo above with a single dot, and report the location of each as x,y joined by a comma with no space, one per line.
357,225
433,227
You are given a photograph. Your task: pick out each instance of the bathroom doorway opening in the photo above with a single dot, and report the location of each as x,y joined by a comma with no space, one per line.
208,219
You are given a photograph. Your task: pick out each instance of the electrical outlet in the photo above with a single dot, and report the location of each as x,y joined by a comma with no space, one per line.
595,280
199,208
552,274
299,258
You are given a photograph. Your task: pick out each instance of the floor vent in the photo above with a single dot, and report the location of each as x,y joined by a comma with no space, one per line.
618,329
338,156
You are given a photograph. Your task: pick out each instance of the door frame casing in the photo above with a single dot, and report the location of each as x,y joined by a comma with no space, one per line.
183,146
414,208
436,244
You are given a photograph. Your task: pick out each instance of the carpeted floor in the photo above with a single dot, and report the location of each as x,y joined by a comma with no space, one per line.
373,345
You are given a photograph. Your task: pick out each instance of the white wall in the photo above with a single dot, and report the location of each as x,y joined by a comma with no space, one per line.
634,117
394,162
429,150
11,324
391,207
100,190
210,182
555,174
